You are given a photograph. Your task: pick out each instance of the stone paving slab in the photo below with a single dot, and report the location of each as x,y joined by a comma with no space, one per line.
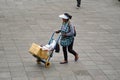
23,22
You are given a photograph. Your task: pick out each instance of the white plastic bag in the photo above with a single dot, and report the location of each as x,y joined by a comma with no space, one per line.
49,46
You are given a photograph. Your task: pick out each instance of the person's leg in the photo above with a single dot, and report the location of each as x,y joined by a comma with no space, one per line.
65,55
78,3
70,49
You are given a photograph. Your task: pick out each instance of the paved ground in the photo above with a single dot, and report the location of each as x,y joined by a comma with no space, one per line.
98,39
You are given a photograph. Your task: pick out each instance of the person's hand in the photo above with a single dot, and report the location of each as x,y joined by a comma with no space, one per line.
58,31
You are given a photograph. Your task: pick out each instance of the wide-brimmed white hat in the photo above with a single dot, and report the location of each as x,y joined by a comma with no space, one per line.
63,16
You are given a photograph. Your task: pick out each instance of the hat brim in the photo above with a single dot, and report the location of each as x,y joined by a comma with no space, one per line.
63,16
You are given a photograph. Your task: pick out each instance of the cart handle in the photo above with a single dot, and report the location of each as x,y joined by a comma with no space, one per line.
52,38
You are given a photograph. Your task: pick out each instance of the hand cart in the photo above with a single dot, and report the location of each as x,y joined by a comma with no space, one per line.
44,55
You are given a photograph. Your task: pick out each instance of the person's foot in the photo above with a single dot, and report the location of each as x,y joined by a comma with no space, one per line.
64,62
76,57
77,7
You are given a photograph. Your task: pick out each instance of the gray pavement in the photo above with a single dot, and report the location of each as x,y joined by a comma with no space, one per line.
23,22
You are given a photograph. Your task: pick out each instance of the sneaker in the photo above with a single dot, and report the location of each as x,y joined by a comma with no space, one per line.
77,7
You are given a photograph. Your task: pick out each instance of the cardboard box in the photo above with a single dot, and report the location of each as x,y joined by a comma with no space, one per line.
43,54
36,49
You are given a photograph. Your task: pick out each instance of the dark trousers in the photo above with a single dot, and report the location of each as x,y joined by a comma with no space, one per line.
78,3
70,49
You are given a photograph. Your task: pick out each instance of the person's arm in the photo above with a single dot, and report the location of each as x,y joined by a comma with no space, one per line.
71,32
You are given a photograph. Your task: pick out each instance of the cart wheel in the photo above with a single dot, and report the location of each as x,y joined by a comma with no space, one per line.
38,62
47,64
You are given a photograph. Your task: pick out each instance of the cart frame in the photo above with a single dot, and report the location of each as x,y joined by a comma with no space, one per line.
46,61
